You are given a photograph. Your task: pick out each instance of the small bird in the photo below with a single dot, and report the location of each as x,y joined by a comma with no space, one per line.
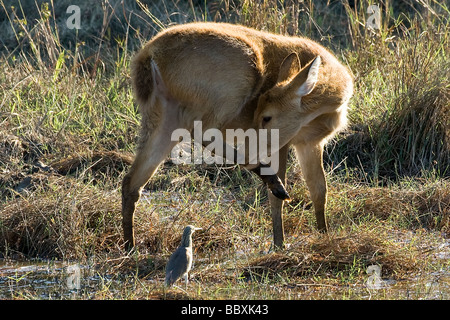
180,261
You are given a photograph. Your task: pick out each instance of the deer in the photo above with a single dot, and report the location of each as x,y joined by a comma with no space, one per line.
232,76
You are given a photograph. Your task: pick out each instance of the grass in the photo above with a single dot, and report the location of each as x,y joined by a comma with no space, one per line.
68,127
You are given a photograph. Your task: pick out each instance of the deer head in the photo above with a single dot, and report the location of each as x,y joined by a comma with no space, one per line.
281,106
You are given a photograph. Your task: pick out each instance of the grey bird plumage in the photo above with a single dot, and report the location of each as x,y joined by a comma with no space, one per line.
180,261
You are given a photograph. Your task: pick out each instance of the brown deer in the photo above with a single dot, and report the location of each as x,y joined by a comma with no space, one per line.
230,76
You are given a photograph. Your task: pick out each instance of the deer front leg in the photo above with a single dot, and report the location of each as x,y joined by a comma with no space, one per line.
310,158
277,196
275,184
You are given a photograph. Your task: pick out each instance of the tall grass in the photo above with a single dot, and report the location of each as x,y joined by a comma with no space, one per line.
399,113
402,93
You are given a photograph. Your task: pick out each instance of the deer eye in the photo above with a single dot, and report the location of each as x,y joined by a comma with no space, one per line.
266,119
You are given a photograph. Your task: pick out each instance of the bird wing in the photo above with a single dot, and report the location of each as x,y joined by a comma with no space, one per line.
177,265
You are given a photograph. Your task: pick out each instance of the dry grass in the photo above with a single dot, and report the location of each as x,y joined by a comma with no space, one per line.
64,218
321,255
61,219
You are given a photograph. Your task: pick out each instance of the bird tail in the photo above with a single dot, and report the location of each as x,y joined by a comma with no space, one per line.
169,280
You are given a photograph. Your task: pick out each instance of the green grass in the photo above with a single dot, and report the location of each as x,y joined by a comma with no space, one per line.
66,101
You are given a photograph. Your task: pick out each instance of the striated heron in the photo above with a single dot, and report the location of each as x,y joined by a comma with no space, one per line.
180,261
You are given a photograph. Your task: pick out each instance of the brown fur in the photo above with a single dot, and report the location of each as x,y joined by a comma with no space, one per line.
230,76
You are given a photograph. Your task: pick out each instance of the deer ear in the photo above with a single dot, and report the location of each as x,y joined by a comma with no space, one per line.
289,67
307,78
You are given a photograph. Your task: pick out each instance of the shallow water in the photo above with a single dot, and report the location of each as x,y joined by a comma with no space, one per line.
62,280
50,280
37,279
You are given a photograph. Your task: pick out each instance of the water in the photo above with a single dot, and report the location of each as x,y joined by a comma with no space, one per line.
50,280
63,280
37,279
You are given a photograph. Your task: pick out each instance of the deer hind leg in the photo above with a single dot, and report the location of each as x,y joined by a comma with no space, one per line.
311,163
273,182
153,149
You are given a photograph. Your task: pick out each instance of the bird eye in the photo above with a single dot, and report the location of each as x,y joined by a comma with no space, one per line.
266,119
